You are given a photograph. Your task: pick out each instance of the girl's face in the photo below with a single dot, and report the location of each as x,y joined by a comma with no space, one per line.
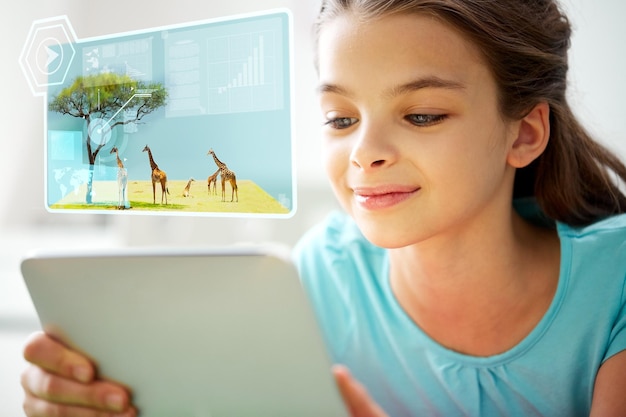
414,144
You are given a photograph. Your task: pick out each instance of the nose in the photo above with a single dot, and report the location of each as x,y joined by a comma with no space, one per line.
372,149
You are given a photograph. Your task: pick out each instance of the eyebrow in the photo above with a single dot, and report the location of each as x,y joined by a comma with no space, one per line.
332,88
422,83
414,85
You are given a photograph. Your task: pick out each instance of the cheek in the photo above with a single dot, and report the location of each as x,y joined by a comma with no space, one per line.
336,164
335,160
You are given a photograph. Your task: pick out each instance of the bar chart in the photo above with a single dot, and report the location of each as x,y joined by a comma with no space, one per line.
243,74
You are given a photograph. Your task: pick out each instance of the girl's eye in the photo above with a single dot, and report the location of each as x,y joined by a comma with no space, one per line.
341,122
425,119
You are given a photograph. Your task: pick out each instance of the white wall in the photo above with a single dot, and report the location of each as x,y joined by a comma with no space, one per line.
598,60
598,67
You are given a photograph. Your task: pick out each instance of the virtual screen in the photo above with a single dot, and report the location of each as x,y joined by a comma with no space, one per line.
192,119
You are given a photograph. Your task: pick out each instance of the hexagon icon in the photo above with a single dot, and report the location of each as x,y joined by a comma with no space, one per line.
48,53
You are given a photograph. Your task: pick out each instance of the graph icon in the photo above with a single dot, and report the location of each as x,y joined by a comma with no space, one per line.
243,73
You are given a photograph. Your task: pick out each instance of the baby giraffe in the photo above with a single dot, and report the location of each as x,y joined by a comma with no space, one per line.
213,179
187,188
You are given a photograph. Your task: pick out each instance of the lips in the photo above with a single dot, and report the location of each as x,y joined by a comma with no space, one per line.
378,198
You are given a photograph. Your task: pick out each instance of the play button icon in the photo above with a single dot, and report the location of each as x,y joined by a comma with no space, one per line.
49,56
52,56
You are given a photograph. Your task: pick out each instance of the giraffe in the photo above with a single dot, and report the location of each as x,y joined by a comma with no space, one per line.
226,175
157,176
122,181
213,179
187,188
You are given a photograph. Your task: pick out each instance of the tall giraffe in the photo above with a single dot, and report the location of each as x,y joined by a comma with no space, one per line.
122,182
213,179
226,175
157,176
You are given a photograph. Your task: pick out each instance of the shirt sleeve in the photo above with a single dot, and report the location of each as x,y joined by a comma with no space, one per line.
617,341
318,257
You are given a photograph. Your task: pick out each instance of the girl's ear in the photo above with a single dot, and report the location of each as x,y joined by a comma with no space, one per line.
533,133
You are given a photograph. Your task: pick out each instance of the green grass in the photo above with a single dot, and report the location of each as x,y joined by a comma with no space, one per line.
252,198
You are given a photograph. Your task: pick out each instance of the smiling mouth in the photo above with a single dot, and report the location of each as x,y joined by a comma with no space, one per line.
377,199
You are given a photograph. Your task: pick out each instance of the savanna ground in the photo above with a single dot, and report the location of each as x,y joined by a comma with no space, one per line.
252,198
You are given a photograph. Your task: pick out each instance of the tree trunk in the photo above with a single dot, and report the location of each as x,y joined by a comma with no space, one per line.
89,196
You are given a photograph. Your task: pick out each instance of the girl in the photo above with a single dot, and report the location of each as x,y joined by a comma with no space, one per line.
481,267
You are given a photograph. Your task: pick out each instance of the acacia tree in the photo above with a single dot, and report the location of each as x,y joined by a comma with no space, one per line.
105,101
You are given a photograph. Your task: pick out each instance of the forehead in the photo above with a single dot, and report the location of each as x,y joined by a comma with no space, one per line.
402,45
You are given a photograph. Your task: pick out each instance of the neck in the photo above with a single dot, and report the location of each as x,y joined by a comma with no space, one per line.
470,259
478,293
218,162
152,163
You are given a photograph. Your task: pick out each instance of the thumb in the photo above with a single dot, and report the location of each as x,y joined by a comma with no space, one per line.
355,395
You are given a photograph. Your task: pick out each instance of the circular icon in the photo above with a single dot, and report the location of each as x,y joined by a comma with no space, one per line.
49,56
99,131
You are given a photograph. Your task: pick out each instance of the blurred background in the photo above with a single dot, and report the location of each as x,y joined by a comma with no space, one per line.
598,65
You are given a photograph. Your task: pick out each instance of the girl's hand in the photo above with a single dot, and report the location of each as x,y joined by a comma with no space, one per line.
61,382
355,396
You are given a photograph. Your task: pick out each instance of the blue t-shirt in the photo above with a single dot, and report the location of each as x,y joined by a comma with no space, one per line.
550,373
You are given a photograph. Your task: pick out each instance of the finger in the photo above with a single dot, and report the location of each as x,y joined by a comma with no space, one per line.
43,351
354,394
36,407
55,389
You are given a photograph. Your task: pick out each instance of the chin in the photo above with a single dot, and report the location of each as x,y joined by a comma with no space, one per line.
385,236
392,243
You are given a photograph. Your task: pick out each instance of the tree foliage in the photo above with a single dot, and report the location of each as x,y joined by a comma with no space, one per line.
103,96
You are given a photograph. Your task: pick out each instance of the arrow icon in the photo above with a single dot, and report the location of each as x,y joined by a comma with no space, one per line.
49,56
52,55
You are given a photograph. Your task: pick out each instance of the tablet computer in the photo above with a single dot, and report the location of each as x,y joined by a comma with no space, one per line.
192,332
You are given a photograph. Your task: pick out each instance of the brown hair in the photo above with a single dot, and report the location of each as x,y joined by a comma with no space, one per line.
525,43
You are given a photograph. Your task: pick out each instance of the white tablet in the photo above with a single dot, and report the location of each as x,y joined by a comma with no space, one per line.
215,332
